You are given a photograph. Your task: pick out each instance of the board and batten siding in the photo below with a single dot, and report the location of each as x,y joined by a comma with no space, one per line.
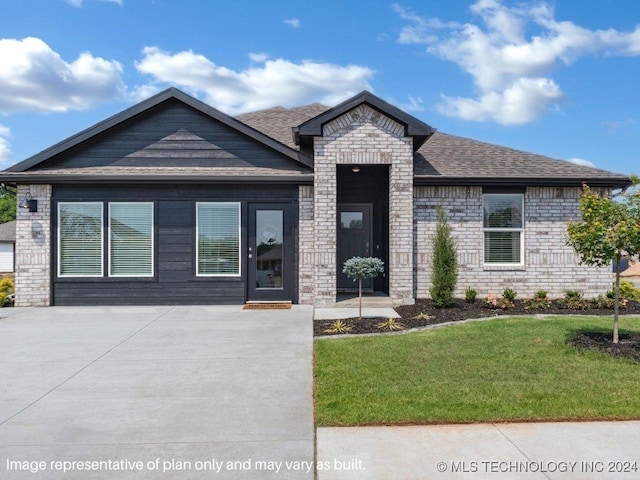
175,281
173,135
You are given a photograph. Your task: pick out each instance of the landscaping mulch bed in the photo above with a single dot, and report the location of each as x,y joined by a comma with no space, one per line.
424,313
628,346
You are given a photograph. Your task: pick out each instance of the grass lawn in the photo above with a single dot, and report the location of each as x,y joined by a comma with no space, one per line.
505,369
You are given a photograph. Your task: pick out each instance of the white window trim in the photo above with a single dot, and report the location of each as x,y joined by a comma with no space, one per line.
197,241
152,240
66,275
521,263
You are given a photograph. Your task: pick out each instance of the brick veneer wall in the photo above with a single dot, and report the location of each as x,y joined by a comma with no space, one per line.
363,136
549,264
306,247
33,248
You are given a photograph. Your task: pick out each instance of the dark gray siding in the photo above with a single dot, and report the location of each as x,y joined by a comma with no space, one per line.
175,281
172,134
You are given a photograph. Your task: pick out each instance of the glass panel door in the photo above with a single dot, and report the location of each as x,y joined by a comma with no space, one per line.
270,256
269,245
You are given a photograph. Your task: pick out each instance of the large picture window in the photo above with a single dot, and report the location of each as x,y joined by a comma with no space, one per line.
80,240
503,229
218,239
131,239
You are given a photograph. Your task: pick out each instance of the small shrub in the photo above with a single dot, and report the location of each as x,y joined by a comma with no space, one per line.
338,326
539,301
422,316
470,295
389,325
6,292
509,294
497,303
444,268
605,302
629,291
573,300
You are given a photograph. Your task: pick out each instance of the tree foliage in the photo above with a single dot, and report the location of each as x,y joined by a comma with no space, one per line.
7,206
359,268
444,269
609,229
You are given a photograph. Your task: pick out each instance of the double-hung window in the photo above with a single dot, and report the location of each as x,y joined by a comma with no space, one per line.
218,238
504,229
127,241
131,239
80,239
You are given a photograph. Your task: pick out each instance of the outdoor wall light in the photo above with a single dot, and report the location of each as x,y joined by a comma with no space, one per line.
355,169
29,203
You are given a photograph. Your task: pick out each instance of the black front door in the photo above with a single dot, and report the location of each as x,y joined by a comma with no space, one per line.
353,240
270,255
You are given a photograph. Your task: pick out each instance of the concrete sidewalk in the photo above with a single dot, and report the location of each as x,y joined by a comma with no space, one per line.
563,451
156,392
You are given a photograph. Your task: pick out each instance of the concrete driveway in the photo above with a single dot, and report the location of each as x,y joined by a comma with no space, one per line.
156,392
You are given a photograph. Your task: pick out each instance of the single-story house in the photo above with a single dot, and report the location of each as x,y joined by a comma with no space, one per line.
7,246
173,202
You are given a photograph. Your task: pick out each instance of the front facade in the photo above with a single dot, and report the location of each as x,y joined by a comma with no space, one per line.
173,202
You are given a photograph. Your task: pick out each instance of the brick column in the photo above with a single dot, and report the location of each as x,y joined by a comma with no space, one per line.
306,246
33,248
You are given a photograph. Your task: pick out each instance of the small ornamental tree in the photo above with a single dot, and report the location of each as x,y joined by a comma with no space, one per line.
444,269
359,268
609,228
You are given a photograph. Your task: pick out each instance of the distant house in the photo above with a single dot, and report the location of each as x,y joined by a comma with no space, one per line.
7,247
174,202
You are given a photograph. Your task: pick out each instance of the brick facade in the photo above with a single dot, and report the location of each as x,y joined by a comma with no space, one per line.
33,249
363,136
306,239
548,264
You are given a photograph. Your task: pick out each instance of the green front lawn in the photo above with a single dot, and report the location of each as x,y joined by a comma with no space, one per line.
505,369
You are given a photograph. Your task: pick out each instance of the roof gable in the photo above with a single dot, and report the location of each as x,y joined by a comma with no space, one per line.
413,127
172,96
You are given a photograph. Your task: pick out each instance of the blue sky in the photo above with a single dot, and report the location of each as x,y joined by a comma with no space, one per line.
560,79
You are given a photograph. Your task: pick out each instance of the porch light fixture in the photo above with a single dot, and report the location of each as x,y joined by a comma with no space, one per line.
29,203
355,169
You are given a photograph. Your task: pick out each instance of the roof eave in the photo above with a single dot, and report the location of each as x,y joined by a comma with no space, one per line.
34,178
612,182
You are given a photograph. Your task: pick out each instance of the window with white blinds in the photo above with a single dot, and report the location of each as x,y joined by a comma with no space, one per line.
503,229
131,239
218,239
80,239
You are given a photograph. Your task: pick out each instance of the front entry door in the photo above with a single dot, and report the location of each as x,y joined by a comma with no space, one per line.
270,252
353,240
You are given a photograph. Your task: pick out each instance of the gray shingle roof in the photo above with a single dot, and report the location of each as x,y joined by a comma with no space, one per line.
278,122
449,158
8,232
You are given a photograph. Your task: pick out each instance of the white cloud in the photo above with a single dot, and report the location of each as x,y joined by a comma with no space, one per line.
33,77
78,3
293,22
258,57
5,146
522,102
581,161
510,66
413,105
276,82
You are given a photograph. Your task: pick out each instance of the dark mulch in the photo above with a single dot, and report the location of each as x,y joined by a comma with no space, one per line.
424,313
628,346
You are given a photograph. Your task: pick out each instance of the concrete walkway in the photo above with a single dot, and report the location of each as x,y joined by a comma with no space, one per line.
156,392
563,451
